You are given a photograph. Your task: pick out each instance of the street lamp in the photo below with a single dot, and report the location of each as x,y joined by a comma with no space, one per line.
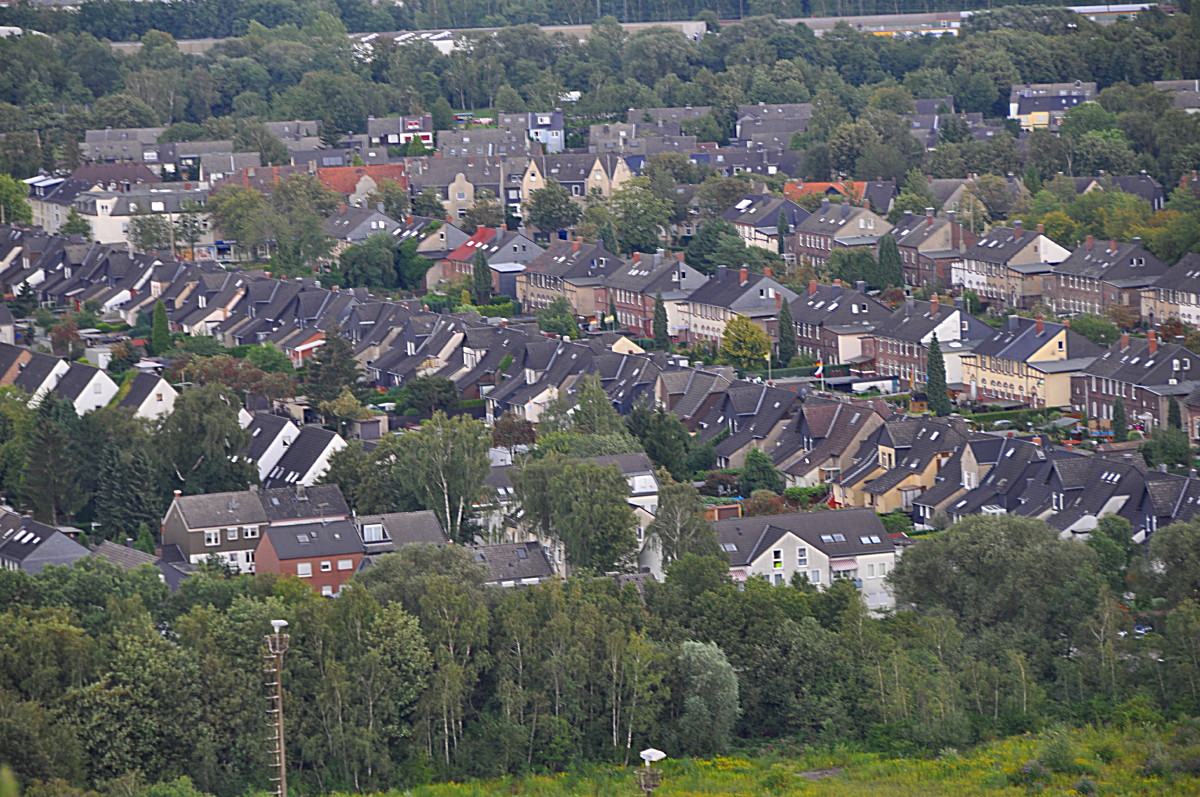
768,359
277,644
649,778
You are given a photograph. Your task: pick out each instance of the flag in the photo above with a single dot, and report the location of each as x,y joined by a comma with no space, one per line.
820,369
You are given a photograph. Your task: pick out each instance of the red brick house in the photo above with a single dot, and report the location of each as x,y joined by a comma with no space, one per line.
323,555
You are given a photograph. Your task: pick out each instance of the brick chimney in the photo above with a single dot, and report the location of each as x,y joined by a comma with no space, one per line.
1124,341
575,245
1041,325
928,217
1041,228
679,255
744,275
812,287
1090,241
933,305
1112,245
341,208
1153,338
778,301
637,257
1018,229
768,273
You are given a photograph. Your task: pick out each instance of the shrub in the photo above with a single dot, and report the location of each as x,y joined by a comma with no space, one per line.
1086,785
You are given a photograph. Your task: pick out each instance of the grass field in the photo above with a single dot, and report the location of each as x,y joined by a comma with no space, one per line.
1138,761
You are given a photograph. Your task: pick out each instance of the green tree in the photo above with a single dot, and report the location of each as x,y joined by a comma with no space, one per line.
1112,540
744,344
1172,567
52,480
393,197
1173,417
608,237
428,203
589,511
14,209
1168,446
783,230
662,334
481,279
551,208
936,390
679,527
189,226
705,243
447,461
787,335
485,211
1098,330
709,700
558,318
145,540
890,268
149,232
758,473
1120,425
160,332
333,368
201,441
432,392
641,215
343,409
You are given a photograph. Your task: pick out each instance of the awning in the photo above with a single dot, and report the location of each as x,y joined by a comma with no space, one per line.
739,575
842,565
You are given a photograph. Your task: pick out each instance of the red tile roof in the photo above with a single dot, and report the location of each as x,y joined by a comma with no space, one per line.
467,251
794,191
345,179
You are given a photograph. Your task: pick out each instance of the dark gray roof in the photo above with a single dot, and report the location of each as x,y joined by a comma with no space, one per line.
35,372
143,385
913,323
72,384
306,540
1183,276
1019,339
300,457
264,429
1133,363
837,533
221,509
514,561
1129,265
761,211
403,528
123,556
28,545
1000,245
296,503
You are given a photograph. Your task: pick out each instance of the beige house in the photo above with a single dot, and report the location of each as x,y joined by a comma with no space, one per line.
579,174
1027,361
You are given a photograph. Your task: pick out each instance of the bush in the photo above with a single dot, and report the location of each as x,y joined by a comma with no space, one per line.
1086,785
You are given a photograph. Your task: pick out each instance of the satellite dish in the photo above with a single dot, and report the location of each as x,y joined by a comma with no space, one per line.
652,756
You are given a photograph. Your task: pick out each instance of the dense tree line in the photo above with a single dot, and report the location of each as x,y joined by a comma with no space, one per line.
421,671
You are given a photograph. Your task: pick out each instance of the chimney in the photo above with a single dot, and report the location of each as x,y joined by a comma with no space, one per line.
1090,241
928,217
861,286
178,493
1153,338
679,255
1014,323
341,208
1041,228
812,287
824,206
1018,228
768,273
744,275
1041,325
933,305
1112,245
637,257
575,245
837,288
1037,441
778,300
408,220
1124,341
721,271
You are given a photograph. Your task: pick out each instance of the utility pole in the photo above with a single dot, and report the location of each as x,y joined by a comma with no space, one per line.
277,645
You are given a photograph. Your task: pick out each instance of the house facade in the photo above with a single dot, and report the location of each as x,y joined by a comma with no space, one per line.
323,555
1028,361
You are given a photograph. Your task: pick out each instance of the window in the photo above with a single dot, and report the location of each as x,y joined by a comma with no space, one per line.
882,570
96,388
802,557
326,567
304,570
870,571
212,537
814,576
779,579
231,534
250,532
777,559
373,532
158,397
327,591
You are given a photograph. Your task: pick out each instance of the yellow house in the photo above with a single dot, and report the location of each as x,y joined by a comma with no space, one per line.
1028,361
906,455
579,174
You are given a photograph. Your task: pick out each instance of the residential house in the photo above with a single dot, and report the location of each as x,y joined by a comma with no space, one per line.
514,564
396,131
387,533
270,438
579,174
753,415
819,547
832,320
149,396
632,288
822,437
1185,94
230,525
1098,277
86,387
360,184
51,199
1042,106
1006,267
33,372
547,128
757,297
899,344
130,559
898,462
458,181
756,218
931,247
110,213
1145,374
676,115
350,225
1027,362
506,252
1175,294
323,554
486,142
28,546
570,270
689,393
834,227
306,458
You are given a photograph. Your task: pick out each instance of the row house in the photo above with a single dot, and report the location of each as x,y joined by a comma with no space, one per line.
110,214
1027,362
835,227
634,289
1042,105
485,142
579,174
930,247
359,183
756,219
689,393
1145,374
819,548
969,467
831,320
752,415
570,270
460,181
396,131
899,344
351,225
822,438
507,252
1099,276
51,199
710,307
1175,294
1006,267
899,462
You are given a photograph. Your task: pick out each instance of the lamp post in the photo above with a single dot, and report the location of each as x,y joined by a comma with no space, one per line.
767,356
277,645
649,778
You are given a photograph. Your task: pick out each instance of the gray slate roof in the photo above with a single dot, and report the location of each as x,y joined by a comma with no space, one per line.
750,537
306,540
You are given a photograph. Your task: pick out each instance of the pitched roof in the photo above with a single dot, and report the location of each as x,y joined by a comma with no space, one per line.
1129,361
307,540
297,503
403,528
32,545
514,561
1019,340
72,384
300,457
345,179
839,533
212,510
1125,265
123,556
140,389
